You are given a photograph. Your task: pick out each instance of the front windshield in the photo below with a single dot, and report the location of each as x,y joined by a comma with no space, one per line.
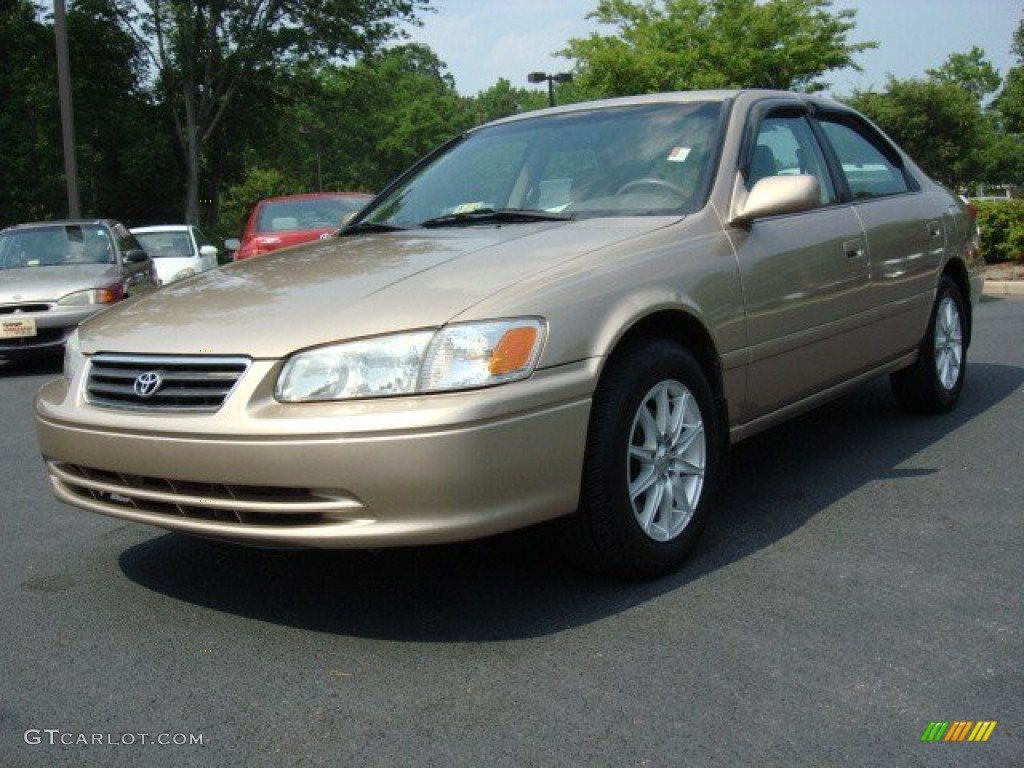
166,245
56,246
650,159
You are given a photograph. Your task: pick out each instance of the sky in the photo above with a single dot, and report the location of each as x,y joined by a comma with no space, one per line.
484,40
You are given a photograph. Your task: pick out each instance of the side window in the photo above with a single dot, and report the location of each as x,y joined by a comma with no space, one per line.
871,170
786,146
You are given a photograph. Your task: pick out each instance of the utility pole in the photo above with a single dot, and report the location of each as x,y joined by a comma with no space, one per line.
67,114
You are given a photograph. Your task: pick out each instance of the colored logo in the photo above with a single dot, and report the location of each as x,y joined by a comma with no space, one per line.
959,730
147,384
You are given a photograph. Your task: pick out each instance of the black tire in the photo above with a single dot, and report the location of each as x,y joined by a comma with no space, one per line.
933,383
649,533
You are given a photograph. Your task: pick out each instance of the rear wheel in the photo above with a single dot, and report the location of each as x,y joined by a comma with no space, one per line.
652,461
933,384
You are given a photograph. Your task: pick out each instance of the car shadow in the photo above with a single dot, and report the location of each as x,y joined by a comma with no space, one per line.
514,586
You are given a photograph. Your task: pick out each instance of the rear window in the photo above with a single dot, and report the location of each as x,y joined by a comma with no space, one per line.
317,213
871,170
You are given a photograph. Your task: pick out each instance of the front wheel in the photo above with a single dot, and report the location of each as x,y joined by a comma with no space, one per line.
651,463
933,384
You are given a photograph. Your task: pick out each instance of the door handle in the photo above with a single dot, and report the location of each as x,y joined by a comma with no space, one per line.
934,229
854,249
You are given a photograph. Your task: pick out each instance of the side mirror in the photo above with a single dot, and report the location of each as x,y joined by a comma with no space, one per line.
208,250
777,195
232,243
135,256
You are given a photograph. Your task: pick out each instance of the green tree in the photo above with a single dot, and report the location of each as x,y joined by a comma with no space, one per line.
940,124
350,127
503,100
31,179
121,139
204,53
971,71
1009,104
383,113
687,44
257,184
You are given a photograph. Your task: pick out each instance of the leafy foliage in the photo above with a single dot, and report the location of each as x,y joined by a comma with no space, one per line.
688,44
31,182
1002,229
204,53
971,71
938,123
257,184
122,142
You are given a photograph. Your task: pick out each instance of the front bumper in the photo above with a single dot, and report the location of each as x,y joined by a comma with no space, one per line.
52,330
396,472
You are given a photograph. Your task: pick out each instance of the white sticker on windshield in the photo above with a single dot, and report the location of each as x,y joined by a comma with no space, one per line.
468,208
678,154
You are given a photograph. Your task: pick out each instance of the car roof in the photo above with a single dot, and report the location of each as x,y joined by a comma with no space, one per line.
677,97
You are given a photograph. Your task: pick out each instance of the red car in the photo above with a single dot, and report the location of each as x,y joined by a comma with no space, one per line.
279,222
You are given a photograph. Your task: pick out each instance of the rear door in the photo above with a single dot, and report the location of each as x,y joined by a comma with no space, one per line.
905,230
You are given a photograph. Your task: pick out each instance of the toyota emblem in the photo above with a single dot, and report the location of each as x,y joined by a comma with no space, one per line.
147,384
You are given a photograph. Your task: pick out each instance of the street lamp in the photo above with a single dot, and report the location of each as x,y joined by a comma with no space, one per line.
67,112
540,77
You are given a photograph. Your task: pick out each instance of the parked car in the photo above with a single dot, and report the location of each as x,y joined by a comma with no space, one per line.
279,222
570,313
55,274
178,250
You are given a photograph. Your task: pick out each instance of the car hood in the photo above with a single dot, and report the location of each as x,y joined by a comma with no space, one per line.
346,287
45,284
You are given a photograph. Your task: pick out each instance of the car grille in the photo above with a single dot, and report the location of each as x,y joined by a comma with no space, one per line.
163,383
242,505
10,309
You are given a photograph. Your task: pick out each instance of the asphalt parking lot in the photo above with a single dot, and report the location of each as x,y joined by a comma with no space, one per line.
861,579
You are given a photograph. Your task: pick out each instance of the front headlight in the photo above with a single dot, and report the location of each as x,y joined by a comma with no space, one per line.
73,357
92,296
460,356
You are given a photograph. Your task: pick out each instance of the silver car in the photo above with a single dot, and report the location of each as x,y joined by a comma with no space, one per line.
55,274
566,314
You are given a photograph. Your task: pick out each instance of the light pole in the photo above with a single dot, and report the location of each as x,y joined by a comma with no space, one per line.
540,77
67,113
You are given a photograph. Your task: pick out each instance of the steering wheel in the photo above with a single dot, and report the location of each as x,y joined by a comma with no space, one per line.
650,181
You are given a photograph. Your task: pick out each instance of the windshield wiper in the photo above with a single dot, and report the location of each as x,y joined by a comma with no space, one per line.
364,227
491,215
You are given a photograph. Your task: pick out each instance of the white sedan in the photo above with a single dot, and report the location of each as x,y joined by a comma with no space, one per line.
178,250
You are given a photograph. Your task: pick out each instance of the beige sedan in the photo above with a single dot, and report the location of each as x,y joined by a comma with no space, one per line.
566,314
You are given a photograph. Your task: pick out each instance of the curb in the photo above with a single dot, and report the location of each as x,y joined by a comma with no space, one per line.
1003,288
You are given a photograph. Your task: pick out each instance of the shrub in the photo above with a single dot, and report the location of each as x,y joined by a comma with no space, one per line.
239,199
1002,229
